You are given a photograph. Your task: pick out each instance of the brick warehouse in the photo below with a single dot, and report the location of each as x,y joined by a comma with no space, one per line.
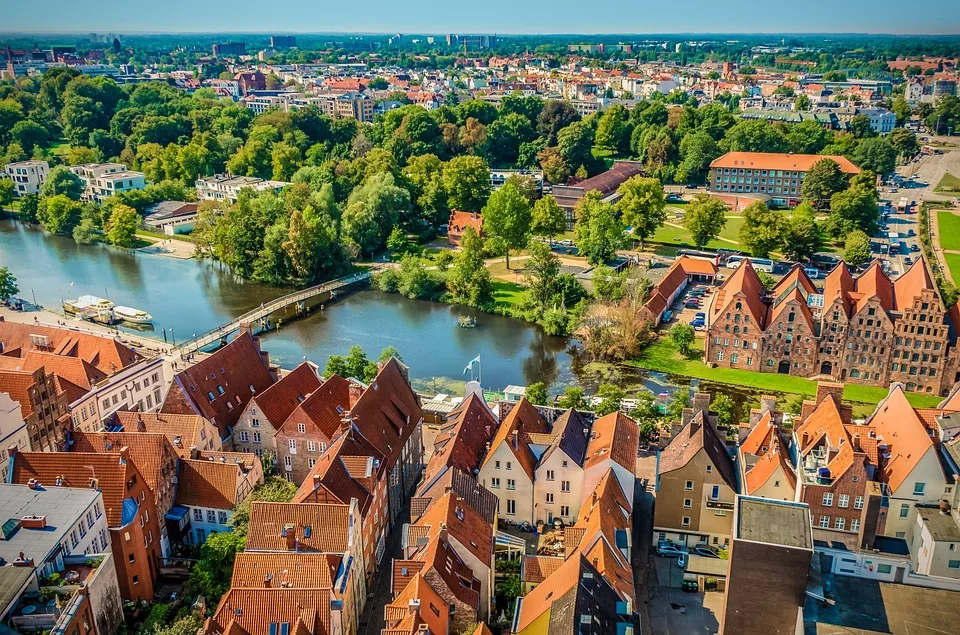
863,329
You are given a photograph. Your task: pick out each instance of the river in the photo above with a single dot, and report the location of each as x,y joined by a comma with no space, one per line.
188,296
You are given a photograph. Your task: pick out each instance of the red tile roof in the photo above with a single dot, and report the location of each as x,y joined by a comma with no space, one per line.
614,436
387,412
106,354
463,523
902,437
758,475
216,484
329,527
536,569
277,402
743,285
779,161
188,428
322,412
522,419
462,444
251,570
251,611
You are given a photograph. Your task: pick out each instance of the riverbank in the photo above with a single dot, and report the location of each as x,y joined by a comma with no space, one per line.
663,356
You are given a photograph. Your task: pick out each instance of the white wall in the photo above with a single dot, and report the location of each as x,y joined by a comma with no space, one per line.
542,486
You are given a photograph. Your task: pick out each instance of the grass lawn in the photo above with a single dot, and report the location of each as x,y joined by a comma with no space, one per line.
732,229
184,237
680,237
507,293
664,357
949,230
953,262
949,183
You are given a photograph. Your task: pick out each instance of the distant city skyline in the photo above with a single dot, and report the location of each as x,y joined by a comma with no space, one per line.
938,17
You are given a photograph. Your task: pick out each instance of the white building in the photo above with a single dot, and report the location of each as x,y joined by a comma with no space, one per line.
27,176
226,187
13,429
882,120
103,180
141,386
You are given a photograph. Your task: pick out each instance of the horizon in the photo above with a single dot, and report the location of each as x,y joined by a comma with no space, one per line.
605,34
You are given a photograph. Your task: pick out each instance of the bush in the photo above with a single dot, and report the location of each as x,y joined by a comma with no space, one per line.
388,281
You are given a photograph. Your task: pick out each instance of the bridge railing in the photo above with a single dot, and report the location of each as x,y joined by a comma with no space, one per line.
267,308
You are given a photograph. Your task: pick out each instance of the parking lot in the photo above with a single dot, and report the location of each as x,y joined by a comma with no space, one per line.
674,612
686,314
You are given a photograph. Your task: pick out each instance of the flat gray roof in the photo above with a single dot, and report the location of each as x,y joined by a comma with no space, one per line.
773,522
61,505
943,527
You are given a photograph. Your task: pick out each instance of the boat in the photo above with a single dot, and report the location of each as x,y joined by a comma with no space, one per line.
87,303
467,322
136,316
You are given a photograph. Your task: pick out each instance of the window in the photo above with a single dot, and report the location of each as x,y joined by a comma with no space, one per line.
511,484
495,483
255,423
840,522
550,475
844,500
904,510
244,437
855,524
953,564
256,437
685,521
311,462
564,511
211,516
311,446
858,502
222,517
197,514
565,486
136,579
884,568
825,522
918,488
687,503
709,468
563,464
511,507
509,465
549,499
301,428
688,486
496,464
828,499
293,446
288,463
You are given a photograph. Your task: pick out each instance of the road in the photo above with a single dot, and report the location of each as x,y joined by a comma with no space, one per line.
931,169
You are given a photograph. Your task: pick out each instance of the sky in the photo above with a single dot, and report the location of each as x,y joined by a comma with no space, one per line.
487,16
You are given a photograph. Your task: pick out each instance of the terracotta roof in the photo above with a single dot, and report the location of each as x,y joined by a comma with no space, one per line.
902,439
839,283
251,611
233,375
761,437
211,484
766,467
322,412
464,485
329,526
614,436
285,570
463,443
387,412
106,354
913,281
744,285
433,610
612,565
696,435
153,455
780,161
463,523
696,266
279,400
75,376
536,569
332,475
77,469
825,426
17,384
185,427
542,597
460,221
952,401
522,418
442,558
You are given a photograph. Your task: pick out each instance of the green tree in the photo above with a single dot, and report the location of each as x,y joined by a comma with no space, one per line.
802,102
901,109
373,209
6,192
444,259
754,136
211,573
642,205
876,154
807,137
8,284
60,214
29,208
572,397
542,270
286,160
506,216
854,209
389,353
698,150
611,397
537,393
554,117
397,241
904,142
724,407
469,280
613,130
823,180
762,230
803,235
60,180
682,336
860,127
856,248
415,281
598,230
704,219
547,218
122,226
575,143
680,400
467,182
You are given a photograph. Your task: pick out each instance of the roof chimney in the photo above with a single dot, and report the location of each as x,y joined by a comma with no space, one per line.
290,533
267,580
516,435
12,450
316,481
124,455
194,452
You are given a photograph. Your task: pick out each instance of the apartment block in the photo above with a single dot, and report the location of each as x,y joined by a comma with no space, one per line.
27,176
864,329
226,187
778,175
103,180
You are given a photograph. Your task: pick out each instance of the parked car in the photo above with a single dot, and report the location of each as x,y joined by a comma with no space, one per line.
911,232
907,260
691,304
667,315
698,324
691,186
682,561
706,551
673,197
670,550
914,248
701,315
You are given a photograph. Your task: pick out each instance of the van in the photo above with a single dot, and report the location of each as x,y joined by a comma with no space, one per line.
812,272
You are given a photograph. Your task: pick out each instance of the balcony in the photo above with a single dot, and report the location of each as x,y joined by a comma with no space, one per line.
716,503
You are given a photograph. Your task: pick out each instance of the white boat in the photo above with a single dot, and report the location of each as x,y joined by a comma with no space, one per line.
128,314
87,304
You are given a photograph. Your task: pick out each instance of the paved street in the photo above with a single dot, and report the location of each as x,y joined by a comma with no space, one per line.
643,499
379,593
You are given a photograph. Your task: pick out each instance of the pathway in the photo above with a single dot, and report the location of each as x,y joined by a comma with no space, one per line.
170,247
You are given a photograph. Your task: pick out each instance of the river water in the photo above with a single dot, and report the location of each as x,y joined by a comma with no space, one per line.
188,296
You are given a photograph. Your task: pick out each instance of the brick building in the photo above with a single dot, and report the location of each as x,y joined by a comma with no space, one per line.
42,405
864,329
777,174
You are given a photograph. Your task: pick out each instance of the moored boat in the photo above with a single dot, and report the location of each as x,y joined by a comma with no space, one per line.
128,314
87,303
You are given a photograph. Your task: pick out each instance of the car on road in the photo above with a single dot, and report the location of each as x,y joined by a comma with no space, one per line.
691,186
670,549
706,551
673,197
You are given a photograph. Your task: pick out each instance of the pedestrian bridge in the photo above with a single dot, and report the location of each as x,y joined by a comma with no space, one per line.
265,309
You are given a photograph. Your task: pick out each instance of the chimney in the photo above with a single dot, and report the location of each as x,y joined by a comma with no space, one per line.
194,452
768,403
290,533
945,507
829,388
316,481
124,455
414,606
39,522
355,391
701,401
516,436
267,580
488,448
12,451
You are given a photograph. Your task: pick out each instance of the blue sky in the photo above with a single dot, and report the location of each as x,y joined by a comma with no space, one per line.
493,16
